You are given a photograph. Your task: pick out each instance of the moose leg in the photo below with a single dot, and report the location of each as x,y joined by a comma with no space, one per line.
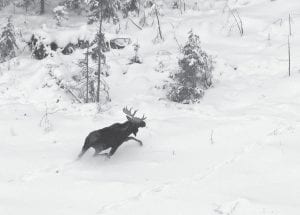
112,151
97,151
103,154
132,138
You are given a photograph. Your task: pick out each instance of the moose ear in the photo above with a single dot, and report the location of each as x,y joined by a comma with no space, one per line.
128,118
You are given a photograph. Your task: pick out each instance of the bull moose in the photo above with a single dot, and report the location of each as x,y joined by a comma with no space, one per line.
115,135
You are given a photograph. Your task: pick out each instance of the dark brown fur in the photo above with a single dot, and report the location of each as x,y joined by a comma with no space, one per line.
112,137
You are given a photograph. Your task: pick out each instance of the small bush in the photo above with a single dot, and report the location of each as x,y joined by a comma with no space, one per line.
185,94
38,48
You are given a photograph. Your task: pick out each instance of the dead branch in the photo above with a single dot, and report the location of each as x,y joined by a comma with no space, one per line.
139,27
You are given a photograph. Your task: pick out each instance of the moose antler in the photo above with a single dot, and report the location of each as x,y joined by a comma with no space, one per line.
128,112
131,114
143,117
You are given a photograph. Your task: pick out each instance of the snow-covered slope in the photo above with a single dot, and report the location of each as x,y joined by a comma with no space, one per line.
235,153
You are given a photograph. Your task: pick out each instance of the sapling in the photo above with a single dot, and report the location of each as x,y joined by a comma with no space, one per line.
289,54
159,36
45,122
136,58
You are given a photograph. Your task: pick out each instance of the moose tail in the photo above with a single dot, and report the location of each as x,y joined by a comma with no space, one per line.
84,149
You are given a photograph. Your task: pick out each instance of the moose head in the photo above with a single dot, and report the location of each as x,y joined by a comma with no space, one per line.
135,122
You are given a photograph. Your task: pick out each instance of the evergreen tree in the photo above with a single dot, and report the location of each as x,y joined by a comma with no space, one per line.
195,72
73,4
27,4
108,9
42,4
4,3
99,41
76,5
60,14
8,43
128,6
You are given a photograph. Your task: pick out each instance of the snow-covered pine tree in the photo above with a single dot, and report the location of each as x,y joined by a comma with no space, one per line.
109,10
128,6
99,41
72,4
8,43
148,3
42,4
76,5
4,3
60,14
27,4
195,72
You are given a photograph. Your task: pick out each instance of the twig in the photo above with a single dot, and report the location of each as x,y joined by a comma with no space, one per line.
290,26
75,97
159,30
139,27
175,37
289,53
45,122
239,22
211,137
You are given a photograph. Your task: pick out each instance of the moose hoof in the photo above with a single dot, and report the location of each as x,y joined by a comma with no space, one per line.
107,156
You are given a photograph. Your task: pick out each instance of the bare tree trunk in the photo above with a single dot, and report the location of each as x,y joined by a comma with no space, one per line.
42,7
99,54
139,9
139,27
180,6
159,30
290,26
289,53
87,75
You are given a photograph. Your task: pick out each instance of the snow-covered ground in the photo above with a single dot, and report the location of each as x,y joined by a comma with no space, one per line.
234,153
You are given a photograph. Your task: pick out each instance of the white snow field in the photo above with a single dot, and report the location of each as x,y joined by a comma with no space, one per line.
237,152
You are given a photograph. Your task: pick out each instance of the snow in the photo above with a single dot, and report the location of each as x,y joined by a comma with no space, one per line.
234,153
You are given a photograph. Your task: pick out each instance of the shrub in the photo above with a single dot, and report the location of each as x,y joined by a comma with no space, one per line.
38,48
194,74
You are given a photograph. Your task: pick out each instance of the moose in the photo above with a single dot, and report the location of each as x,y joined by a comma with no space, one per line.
115,135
